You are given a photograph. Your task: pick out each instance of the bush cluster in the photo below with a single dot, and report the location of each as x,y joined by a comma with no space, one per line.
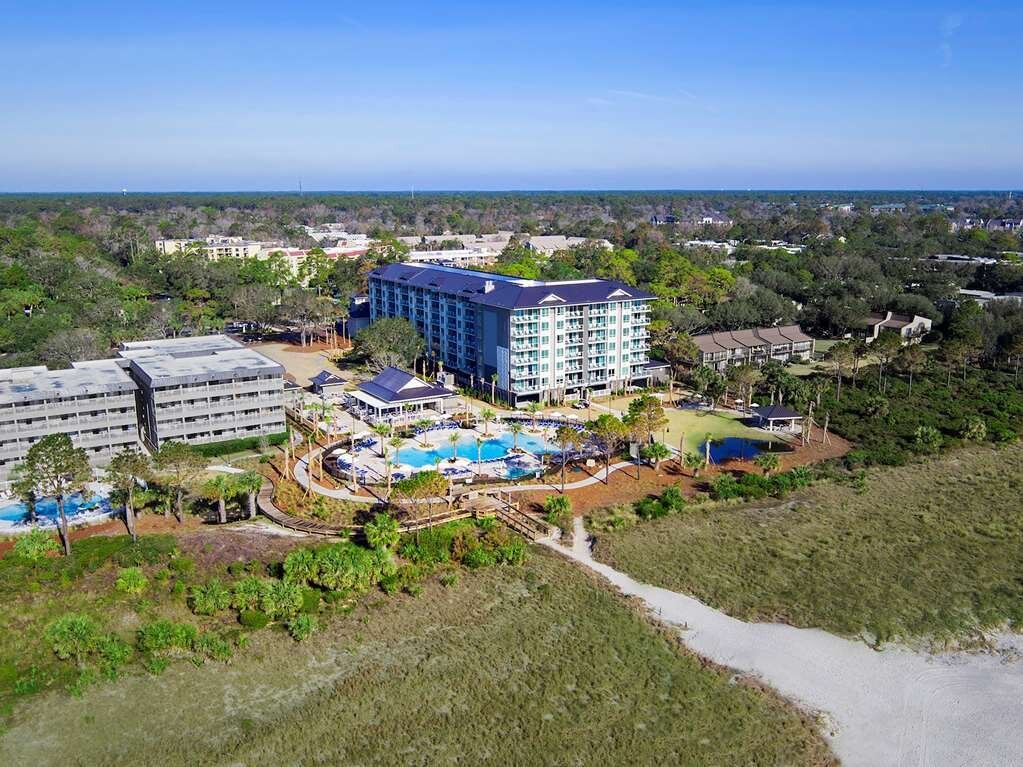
752,486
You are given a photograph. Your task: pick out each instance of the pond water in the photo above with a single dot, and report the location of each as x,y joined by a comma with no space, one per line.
740,448
16,511
497,446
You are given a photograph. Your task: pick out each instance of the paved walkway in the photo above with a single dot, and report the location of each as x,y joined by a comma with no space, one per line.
302,477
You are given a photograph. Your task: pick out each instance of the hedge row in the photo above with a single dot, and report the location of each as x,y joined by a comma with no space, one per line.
214,449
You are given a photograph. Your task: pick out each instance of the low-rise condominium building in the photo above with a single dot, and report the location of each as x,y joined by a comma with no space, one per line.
204,389
754,346
93,402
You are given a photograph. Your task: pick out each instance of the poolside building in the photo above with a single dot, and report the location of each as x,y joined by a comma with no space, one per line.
754,346
777,417
910,328
535,340
325,382
204,389
93,403
395,393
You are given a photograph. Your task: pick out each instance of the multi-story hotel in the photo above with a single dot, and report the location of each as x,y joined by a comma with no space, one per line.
753,347
542,340
215,248
93,403
204,389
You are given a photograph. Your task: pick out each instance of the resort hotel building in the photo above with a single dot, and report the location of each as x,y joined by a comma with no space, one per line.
785,343
93,403
204,389
537,341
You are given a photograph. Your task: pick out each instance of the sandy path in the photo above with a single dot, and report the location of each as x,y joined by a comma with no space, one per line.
895,707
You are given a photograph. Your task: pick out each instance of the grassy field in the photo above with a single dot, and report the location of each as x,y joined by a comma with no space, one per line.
930,549
695,423
530,665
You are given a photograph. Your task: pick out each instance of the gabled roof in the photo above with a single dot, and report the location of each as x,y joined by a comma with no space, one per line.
506,292
326,378
394,385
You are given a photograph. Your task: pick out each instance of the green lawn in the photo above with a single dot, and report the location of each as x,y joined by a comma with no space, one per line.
695,424
531,665
933,549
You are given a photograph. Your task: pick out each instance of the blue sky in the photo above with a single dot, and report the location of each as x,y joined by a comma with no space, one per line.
555,95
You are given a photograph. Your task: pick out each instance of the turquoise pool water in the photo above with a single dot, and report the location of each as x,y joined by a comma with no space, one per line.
47,508
491,448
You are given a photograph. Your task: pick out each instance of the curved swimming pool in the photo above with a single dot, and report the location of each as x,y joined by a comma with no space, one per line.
497,446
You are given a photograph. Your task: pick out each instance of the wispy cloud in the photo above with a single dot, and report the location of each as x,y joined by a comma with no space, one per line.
948,27
676,96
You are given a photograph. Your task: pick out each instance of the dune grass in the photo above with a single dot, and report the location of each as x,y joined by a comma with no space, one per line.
930,549
530,665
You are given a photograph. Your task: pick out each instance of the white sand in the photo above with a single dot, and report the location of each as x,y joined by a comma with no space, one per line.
893,707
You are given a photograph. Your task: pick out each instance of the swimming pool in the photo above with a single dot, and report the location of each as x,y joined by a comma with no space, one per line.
497,446
46,509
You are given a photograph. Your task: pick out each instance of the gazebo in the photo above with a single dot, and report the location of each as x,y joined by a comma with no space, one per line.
394,393
773,417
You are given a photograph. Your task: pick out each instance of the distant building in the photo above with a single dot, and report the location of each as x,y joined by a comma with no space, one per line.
462,257
204,389
215,248
713,220
955,258
911,327
723,247
984,297
1005,224
888,207
723,349
547,244
93,403
485,243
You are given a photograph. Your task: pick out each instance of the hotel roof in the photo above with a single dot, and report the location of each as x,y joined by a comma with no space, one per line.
506,292
34,383
174,361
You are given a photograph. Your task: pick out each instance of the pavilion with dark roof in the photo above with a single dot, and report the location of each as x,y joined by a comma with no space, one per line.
774,417
395,393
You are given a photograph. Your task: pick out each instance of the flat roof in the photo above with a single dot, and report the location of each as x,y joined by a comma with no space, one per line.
173,361
82,379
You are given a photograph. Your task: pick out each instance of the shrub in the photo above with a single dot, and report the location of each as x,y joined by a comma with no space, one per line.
927,439
650,508
210,598
281,600
182,565
310,600
449,579
382,532
974,430
512,553
164,635
673,500
213,646
114,652
558,510
34,546
236,568
73,636
301,626
347,567
300,566
479,557
214,449
131,580
253,619
247,593
725,487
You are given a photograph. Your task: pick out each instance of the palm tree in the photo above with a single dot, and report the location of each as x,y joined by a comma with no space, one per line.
842,358
487,415
655,453
249,484
220,488
479,454
382,430
693,462
126,470
453,441
564,436
534,409
493,388
423,424
515,427
768,463
55,468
